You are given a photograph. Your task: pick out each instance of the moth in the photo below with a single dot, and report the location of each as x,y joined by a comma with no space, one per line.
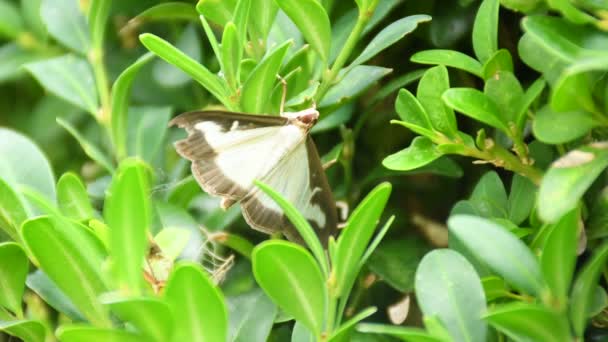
230,150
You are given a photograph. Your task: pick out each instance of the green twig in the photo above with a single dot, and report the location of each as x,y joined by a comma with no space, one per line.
101,80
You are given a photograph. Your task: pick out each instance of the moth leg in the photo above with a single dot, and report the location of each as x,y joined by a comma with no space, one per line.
283,95
226,203
329,164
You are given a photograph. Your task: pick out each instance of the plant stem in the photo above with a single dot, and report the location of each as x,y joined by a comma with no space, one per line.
329,76
331,315
103,89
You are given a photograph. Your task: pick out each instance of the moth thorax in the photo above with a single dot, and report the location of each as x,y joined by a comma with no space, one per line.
305,118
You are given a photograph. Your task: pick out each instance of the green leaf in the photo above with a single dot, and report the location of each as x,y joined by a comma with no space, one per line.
13,270
573,90
413,114
494,288
30,10
13,56
167,75
200,304
198,72
584,288
530,95
448,287
11,23
504,90
127,212
293,280
345,331
77,333
553,127
265,13
241,19
258,87
312,20
98,18
147,127
476,105
353,83
451,58
150,316
504,253
301,225
489,196
568,178
395,261
91,150
68,77
166,11
500,61
393,85
432,84
529,322
218,11
61,258
403,333
66,23
251,315
521,200
120,103
558,257
12,211
389,36
597,223
485,30
26,330
355,237
172,241
73,199
232,51
421,151
19,153
44,287
599,302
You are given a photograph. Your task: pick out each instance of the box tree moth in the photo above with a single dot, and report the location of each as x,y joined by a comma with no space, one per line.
230,150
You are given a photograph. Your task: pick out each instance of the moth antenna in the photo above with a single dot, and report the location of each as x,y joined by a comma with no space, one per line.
283,95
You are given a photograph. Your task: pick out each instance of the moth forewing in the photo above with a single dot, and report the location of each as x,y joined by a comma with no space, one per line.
230,150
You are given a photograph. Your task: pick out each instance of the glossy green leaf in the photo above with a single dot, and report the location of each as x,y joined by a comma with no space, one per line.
293,280
72,198
355,237
301,225
597,224
395,261
494,288
530,95
147,127
99,11
345,331
127,212
66,22
170,76
265,13
258,87
13,270
402,333
312,20
68,77
251,315
413,114
568,178
172,241
451,58
353,83
11,22
558,257
231,54
30,10
485,30
502,251
573,90
529,322
62,260
89,148
13,57
448,287
533,52
584,288
151,317
200,304
476,105
506,92
77,333
120,103
500,61
19,153
12,211
218,11
420,152
389,36
26,330
432,84
166,11
553,127
44,287
198,72
240,18
489,196
522,198
599,302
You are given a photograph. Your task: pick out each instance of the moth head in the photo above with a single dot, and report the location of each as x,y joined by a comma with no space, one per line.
305,118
